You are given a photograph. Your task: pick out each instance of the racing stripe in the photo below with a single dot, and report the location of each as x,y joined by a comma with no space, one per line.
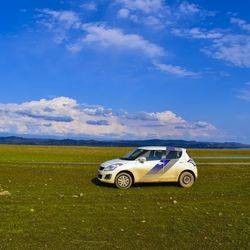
170,165
157,168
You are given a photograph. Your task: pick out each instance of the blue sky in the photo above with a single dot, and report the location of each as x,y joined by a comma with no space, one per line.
126,69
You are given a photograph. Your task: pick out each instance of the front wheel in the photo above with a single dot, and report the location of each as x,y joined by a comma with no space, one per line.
123,181
186,179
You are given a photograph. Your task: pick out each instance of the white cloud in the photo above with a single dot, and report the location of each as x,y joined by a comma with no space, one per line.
68,18
158,13
63,116
176,70
62,22
89,6
154,22
59,22
197,33
123,13
196,125
231,48
241,23
112,37
189,8
165,116
146,6
58,116
244,94
168,116
146,12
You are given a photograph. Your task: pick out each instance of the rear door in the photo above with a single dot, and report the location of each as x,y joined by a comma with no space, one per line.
169,171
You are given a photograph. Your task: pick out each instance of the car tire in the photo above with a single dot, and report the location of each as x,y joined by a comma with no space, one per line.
186,179
123,180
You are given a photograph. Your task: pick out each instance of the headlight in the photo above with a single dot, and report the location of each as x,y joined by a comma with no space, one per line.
112,167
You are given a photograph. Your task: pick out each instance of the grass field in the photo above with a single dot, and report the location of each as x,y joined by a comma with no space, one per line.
57,204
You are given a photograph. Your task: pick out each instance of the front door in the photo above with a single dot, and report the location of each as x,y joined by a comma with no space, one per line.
152,169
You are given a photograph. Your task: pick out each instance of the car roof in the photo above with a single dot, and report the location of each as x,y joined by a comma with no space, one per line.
161,148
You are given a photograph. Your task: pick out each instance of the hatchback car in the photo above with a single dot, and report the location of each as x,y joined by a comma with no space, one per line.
150,164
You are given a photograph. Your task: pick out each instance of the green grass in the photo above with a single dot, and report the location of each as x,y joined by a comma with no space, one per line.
87,154
224,160
58,154
219,152
62,206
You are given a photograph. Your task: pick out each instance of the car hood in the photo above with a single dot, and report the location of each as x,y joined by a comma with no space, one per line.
114,161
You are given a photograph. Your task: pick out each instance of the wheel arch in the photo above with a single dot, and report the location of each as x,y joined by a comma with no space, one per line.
187,170
128,172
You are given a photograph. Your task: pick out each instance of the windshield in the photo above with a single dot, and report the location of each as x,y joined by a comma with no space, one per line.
131,156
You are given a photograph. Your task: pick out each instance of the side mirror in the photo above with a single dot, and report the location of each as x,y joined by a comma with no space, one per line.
142,159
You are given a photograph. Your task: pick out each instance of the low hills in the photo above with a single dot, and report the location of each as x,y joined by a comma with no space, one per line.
120,143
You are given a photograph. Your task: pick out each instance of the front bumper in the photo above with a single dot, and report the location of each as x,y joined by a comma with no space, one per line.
106,176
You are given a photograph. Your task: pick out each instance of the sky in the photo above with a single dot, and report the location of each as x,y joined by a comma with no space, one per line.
125,69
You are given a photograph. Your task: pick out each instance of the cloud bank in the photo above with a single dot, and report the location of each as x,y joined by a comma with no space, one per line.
66,117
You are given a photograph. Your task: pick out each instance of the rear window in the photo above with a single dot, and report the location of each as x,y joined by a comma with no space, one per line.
173,154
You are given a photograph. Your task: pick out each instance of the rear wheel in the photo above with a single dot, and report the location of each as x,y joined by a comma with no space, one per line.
186,179
123,181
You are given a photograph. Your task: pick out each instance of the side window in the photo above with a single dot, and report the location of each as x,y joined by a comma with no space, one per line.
154,155
174,155
179,154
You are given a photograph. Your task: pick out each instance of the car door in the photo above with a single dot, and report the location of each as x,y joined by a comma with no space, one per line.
152,169
169,171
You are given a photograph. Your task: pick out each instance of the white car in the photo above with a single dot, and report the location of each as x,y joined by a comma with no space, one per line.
150,164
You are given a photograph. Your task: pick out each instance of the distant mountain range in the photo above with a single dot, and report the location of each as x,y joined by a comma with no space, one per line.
120,143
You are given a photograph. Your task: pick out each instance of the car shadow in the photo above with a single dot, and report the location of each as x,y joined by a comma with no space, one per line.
156,184
96,182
